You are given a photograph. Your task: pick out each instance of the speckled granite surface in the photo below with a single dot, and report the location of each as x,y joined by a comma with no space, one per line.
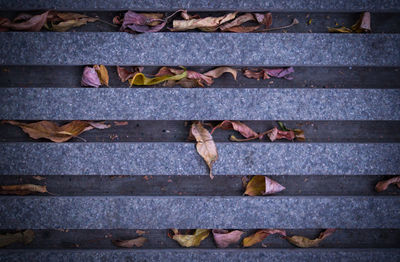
262,49
157,212
182,159
204,5
199,104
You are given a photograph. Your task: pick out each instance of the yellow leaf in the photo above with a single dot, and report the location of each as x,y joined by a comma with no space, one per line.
102,72
205,144
260,235
24,237
141,80
339,30
191,240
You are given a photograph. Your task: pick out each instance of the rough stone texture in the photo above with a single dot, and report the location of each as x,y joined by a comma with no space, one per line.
203,5
182,159
199,104
263,49
240,255
154,212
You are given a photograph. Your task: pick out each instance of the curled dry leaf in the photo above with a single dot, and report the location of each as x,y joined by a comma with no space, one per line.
125,74
223,238
55,133
190,240
141,23
137,242
24,22
279,134
95,76
21,190
102,73
267,73
383,185
243,129
363,25
208,24
262,185
63,21
260,235
25,237
235,25
301,241
205,144
141,79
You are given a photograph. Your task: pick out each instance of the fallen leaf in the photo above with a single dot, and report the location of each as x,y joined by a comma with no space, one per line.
125,74
140,232
63,21
235,25
262,185
190,240
121,123
24,22
186,16
90,77
267,73
301,241
223,238
102,73
39,178
205,144
243,129
217,72
279,134
25,237
141,79
260,235
141,23
383,185
21,190
137,242
208,24
363,25
55,133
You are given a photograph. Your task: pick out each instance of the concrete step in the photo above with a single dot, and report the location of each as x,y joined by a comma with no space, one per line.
199,49
182,159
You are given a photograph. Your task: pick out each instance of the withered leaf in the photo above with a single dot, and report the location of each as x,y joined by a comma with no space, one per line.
223,238
363,25
205,144
235,25
125,74
262,185
260,235
90,77
141,79
217,72
55,133
267,73
63,21
243,129
24,22
39,178
140,232
301,241
102,73
208,24
137,242
25,237
21,190
190,240
121,123
141,23
279,134
383,185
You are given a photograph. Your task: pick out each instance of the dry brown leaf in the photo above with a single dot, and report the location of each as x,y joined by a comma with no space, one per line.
39,178
217,72
243,129
121,123
25,237
125,74
140,232
205,24
262,185
24,22
301,241
223,238
190,240
383,185
235,26
61,22
205,144
267,73
279,134
102,73
55,133
21,190
260,235
137,242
